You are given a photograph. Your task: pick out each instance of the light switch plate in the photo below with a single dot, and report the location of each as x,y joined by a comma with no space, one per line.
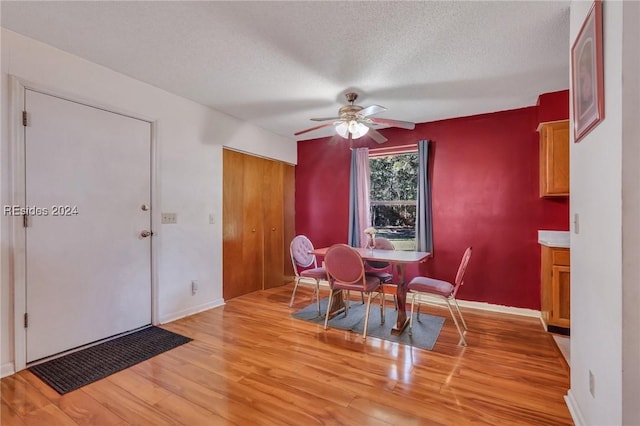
169,218
576,223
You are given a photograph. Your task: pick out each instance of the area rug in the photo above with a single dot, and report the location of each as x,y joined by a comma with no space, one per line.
78,369
425,331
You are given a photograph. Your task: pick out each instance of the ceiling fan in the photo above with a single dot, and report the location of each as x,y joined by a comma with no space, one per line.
354,121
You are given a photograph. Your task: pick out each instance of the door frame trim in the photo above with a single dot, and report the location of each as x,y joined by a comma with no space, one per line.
17,196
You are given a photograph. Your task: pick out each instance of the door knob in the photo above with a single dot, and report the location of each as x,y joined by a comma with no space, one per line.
145,234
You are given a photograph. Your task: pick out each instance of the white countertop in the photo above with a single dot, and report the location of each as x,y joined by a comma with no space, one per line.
554,238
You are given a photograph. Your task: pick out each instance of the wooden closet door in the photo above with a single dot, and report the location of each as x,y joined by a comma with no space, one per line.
289,206
242,224
272,202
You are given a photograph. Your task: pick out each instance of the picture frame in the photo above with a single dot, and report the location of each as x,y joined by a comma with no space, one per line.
587,72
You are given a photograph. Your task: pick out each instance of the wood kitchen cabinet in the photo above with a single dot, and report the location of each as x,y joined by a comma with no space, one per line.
554,158
257,199
556,287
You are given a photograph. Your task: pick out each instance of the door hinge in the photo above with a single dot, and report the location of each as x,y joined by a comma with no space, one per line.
24,118
26,320
25,221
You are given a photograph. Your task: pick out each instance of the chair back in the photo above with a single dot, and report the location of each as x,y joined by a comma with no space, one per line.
381,244
344,264
301,257
462,269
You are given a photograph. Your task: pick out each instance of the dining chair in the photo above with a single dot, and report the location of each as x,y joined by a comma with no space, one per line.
345,270
305,266
383,270
424,286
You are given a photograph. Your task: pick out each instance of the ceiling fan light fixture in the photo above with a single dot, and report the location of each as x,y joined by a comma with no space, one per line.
342,129
358,131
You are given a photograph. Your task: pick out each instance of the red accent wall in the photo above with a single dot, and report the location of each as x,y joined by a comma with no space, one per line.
485,195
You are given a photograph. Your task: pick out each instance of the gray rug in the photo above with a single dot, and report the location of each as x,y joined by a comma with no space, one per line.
78,369
425,331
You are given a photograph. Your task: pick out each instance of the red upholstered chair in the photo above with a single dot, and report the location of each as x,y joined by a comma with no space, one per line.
382,270
421,286
345,270
305,266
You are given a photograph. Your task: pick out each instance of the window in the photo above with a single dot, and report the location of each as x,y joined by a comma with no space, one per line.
394,183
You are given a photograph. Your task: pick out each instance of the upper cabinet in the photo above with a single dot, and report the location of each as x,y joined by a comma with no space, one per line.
554,158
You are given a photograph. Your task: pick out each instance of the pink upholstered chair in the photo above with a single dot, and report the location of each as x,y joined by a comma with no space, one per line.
447,291
305,266
345,270
382,270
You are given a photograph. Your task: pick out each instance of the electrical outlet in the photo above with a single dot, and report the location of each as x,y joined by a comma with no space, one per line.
169,218
576,223
194,287
592,384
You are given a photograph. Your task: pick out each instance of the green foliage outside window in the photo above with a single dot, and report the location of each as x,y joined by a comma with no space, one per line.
394,183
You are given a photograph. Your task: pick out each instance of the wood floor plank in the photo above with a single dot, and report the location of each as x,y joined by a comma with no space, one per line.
251,363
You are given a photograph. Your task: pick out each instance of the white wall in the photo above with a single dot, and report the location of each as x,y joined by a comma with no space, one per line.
189,142
631,214
606,200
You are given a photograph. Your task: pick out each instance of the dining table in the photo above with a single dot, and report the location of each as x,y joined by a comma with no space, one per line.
399,259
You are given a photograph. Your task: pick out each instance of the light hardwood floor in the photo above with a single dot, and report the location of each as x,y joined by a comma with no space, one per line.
252,364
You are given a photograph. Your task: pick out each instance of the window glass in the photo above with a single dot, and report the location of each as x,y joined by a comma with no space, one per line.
394,183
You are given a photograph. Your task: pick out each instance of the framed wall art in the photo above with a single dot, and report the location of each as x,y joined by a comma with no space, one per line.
587,71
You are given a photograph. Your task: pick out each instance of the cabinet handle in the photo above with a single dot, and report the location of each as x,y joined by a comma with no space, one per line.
253,230
273,229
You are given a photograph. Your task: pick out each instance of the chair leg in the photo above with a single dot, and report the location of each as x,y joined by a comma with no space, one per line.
413,300
381,295
317,296
345,301
295,287
455,321
326,317
366,317
460,313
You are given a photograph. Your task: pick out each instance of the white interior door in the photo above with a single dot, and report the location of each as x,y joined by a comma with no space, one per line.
88,268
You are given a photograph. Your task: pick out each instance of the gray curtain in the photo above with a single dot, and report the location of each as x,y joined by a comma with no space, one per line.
359,217
424,220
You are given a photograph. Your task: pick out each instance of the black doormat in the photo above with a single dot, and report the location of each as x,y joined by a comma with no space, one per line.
77,369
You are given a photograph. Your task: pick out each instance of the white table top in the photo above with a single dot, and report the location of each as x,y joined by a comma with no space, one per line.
391,256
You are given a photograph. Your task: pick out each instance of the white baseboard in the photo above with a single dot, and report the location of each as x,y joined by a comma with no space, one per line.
500,308
468,304
191,311
7,369
574,410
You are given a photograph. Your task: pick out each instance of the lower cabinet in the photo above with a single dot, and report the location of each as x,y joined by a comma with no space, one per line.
556,287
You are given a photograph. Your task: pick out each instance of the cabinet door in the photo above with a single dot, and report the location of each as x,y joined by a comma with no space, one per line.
273,213
554,159
253,245
289,184
560,290
242,224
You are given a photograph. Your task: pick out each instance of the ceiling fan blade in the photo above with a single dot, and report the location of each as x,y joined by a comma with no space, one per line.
376,136
394,123
370,110
325,118
313,128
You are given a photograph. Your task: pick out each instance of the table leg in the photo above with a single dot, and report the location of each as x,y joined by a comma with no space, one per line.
401,295
337,303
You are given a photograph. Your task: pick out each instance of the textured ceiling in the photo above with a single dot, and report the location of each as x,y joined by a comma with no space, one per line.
276,64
